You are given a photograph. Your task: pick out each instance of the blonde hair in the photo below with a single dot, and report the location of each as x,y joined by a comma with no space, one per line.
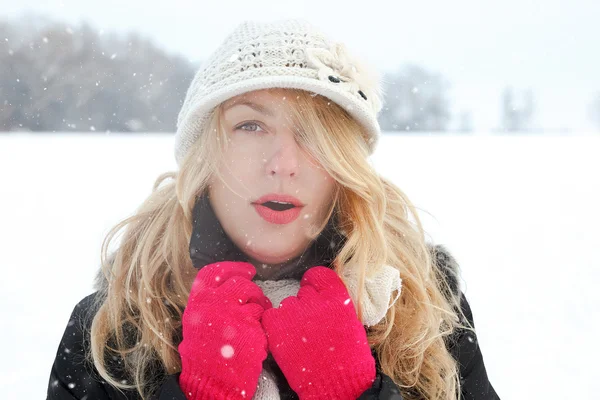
147,279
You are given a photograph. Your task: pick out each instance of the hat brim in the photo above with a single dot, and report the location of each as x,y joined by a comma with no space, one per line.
192,123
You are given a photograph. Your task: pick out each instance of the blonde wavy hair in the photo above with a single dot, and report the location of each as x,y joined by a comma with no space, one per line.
147,279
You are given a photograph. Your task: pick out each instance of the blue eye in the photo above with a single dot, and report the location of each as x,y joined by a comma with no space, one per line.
252,124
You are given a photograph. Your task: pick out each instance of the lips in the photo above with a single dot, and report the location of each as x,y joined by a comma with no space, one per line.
278,208
277,217
280,198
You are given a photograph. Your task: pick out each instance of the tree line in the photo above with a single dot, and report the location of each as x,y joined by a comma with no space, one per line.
54,77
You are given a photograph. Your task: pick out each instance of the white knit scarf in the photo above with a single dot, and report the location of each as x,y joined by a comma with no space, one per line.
378,289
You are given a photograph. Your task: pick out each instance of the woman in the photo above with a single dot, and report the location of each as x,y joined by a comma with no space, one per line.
276,263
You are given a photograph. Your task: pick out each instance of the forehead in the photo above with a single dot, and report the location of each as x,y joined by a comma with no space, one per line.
270,98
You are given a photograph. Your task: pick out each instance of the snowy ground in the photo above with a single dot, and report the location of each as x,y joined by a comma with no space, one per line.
519,213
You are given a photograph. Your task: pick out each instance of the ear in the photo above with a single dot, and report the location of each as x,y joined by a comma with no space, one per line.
447,269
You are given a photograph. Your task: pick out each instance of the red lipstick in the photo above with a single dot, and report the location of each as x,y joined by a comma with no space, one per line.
278,208
284,198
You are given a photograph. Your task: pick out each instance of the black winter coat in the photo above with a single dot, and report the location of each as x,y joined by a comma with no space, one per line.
72,378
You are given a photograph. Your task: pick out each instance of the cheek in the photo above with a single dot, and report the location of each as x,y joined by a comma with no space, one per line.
323,181
241,167
323,186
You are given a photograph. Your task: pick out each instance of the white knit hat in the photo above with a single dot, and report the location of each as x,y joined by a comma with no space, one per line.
290,53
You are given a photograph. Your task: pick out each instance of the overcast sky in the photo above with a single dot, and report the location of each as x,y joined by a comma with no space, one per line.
480,46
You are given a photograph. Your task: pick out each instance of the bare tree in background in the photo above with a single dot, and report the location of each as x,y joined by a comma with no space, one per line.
594,110
465,123
58,78
517,110
415,100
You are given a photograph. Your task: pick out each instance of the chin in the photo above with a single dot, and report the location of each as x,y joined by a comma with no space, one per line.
271,256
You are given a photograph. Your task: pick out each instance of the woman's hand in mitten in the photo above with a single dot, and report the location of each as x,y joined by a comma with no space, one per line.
318,341
224,344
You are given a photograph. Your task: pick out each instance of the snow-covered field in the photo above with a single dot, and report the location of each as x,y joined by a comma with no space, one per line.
519,213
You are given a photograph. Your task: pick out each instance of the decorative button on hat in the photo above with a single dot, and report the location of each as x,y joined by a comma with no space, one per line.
290,53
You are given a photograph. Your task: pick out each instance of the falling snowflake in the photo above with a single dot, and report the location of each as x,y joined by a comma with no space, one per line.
227,351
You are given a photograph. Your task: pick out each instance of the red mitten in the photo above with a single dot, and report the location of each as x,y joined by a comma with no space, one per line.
224,344
318,341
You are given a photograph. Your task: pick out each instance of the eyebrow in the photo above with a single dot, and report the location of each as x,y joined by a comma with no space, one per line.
255,106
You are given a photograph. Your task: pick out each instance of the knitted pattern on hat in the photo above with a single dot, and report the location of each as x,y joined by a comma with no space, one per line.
290,53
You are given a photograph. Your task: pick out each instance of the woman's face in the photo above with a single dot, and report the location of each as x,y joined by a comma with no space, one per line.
264,161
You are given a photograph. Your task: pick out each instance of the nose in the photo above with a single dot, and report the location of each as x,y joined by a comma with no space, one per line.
284,159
